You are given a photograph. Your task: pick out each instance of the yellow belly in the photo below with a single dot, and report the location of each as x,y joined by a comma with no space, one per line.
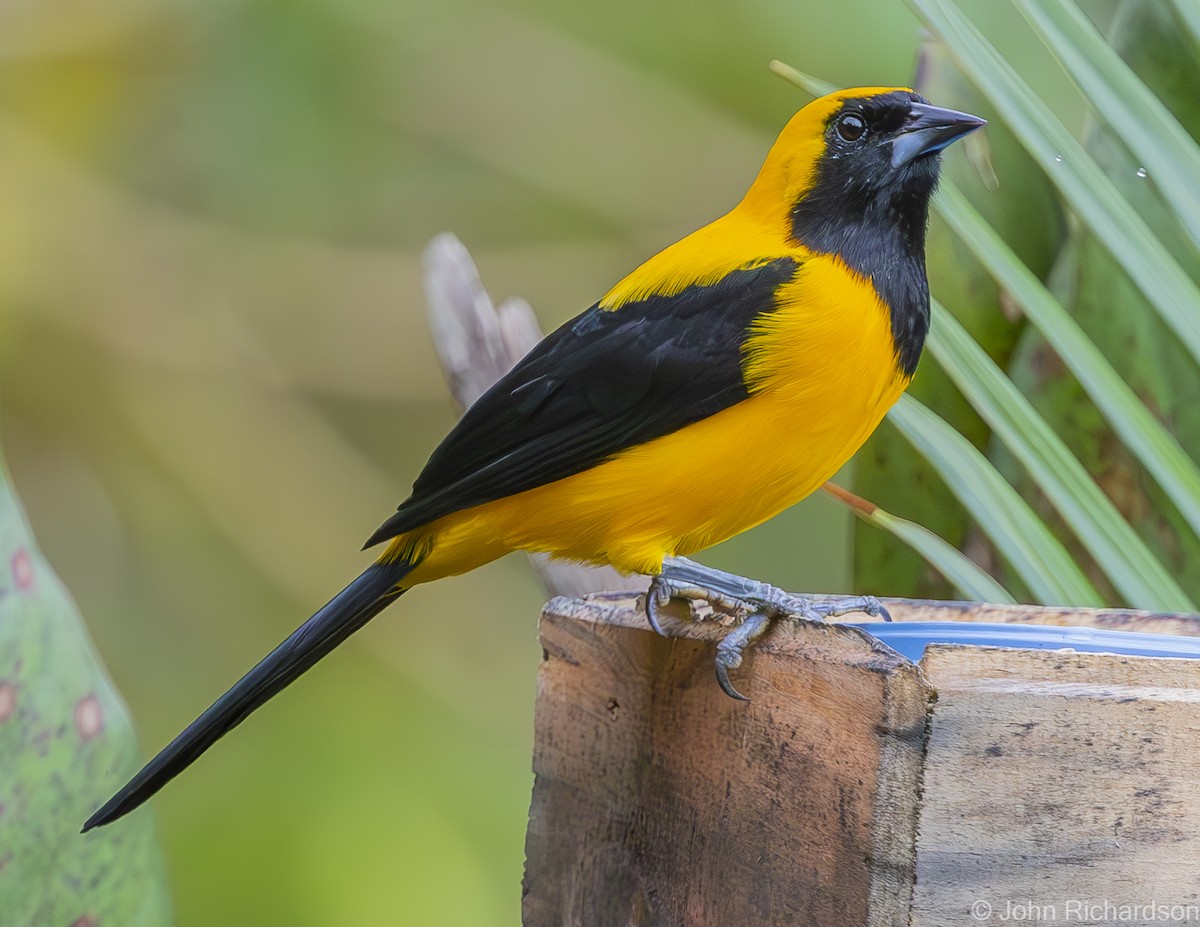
823,372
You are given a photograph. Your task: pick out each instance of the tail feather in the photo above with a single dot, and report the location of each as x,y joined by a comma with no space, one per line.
345,613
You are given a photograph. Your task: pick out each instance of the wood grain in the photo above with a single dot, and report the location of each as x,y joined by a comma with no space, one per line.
660,801
1058,781
1044,786
1113,619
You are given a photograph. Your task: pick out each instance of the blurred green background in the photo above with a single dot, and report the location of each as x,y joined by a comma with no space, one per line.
217,379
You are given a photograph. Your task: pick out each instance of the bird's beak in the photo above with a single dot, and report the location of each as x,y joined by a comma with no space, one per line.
929,129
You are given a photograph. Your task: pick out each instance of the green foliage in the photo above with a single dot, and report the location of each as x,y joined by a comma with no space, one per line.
65,737
887,471
1151,474
1005,518
1105,446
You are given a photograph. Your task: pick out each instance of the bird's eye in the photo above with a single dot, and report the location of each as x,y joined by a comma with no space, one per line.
851,127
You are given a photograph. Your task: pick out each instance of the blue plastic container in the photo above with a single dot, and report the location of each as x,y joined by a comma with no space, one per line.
911,637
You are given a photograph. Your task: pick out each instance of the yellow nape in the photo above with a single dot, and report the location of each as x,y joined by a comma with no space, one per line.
755,231
787,171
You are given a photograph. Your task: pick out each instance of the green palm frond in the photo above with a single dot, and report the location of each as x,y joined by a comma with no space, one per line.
1063,529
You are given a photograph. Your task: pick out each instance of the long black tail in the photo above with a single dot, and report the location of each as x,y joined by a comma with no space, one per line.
345,613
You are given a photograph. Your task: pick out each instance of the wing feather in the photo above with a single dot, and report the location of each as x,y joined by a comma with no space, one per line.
608,380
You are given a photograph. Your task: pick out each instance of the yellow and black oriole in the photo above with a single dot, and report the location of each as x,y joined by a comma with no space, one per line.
723,380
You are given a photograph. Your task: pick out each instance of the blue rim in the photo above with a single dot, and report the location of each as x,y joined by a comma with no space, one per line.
910,638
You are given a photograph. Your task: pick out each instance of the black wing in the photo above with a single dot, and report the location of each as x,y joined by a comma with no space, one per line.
603,382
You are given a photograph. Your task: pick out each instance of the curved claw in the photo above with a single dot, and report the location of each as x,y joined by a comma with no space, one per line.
723,667
653,595
865,604
873,607
733,645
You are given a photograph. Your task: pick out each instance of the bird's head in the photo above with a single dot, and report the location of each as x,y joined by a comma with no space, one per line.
867,149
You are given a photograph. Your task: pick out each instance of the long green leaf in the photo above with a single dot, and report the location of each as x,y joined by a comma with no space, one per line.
1088,191
1022,538
1118,96
1127,561
967,577
1138,429
1189,14
1133,570
805,81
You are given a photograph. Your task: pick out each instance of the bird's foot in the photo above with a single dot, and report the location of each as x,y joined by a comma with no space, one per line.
759,602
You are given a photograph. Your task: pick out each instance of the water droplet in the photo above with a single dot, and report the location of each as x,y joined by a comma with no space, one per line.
1141,172
1058,158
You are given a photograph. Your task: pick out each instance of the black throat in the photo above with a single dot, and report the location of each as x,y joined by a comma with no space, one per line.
878,229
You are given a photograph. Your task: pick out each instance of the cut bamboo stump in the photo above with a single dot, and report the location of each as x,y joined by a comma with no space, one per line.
980,786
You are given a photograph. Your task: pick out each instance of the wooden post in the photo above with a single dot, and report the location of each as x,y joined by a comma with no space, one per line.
659,800
856,788
1059,787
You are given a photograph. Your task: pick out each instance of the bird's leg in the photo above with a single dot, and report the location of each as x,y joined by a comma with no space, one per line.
759,602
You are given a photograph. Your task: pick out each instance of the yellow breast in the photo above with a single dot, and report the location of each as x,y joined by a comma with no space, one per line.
822,371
